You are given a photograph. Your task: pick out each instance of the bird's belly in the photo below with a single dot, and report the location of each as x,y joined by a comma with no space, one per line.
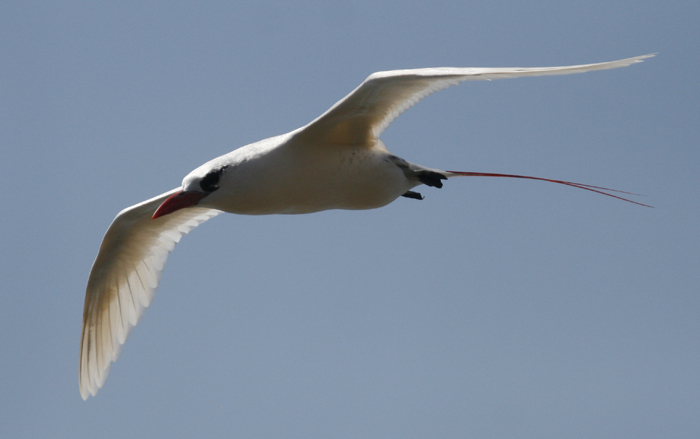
328,178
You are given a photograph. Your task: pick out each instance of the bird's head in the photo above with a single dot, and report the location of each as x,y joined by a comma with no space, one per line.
198,184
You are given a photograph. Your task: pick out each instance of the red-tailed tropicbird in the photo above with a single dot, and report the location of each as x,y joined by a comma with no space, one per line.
335,162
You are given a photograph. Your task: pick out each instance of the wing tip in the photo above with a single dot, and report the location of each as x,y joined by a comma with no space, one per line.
641,58
90,383
84,393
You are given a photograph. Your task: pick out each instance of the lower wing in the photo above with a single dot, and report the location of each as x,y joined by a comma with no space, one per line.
124,279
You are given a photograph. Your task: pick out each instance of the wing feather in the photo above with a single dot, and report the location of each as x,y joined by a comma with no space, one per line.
360,117
124,279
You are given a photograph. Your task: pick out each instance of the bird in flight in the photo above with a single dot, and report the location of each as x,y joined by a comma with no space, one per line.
335,162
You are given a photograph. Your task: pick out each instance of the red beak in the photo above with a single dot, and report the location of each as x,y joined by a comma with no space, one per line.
177,201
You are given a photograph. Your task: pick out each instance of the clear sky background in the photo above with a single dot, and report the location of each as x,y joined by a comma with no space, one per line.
493,308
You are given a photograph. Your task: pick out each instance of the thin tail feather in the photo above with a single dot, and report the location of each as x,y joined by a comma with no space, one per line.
588,187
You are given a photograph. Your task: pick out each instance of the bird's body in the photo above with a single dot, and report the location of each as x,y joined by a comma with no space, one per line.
285,175
335,162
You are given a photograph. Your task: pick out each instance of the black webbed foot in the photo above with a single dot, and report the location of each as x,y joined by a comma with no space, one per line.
414,195
430,178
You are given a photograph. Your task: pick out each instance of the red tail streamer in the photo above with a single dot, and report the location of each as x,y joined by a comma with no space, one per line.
588,187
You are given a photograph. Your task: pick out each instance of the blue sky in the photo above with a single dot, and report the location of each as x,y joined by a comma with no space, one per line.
493,308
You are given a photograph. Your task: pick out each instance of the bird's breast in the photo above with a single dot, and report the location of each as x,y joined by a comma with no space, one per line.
304,179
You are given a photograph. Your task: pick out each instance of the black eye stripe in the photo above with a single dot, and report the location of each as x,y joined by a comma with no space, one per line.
210,182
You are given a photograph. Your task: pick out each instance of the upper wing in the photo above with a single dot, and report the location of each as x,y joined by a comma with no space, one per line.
124,279
360,117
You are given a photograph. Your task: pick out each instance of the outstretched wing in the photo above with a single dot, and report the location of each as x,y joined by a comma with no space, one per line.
124,279
360,117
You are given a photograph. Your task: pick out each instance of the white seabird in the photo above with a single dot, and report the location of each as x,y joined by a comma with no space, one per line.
335,162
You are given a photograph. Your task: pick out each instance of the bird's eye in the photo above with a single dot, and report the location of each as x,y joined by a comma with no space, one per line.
210,182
